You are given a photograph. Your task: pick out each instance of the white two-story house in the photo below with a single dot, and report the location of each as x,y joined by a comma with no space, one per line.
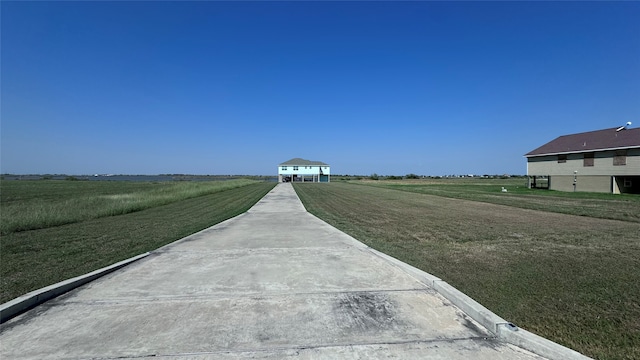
304,170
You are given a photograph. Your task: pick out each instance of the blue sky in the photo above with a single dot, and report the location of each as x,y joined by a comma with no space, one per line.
430,88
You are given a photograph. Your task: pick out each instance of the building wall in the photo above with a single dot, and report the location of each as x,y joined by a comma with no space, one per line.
304,170
588,183
602,165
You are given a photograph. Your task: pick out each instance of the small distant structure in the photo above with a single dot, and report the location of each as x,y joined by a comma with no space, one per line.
605,160
302,170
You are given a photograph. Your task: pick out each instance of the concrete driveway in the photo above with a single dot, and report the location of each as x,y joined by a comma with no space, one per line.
275,282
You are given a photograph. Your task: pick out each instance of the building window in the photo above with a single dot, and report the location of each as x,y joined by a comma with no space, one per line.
588,159
295,168
620,158
562,158
627,183
284,168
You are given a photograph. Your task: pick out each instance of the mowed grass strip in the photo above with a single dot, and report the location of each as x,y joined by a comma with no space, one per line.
571,279
624,207
37,258
38,204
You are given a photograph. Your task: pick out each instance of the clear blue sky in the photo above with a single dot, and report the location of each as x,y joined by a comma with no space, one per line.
392,88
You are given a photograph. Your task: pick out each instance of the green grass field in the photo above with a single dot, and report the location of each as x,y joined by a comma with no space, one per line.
31,259
30,205
570,278
604,206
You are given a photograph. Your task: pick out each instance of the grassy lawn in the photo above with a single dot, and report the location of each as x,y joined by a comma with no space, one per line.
572,279
605,206
36,258
30,205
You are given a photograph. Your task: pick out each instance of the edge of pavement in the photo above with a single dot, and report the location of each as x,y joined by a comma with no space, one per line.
501,328
21,304
14,307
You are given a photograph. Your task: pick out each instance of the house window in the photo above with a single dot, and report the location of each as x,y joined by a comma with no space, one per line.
627,183
295,168
562,158
620,158
588,159
284,168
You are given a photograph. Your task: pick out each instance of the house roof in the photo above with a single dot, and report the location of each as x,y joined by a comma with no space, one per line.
607,139
303,162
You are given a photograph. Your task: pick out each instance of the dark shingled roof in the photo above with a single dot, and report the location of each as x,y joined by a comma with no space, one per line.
303,162
607,139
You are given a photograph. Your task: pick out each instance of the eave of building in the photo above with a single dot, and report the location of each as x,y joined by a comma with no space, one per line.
583,151
302,162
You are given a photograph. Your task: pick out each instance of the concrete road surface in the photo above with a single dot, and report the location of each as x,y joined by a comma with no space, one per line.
275,282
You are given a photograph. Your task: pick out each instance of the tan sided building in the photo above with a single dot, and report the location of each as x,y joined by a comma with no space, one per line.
596,161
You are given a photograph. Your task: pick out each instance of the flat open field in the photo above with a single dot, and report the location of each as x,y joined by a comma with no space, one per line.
604,206
572,279
105,222
30,205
